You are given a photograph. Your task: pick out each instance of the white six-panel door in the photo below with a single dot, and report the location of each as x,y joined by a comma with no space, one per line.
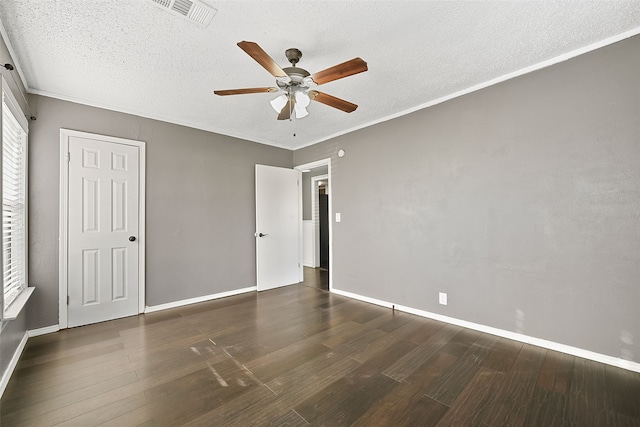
103,230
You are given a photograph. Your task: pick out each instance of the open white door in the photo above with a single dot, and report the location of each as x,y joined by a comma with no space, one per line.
278,227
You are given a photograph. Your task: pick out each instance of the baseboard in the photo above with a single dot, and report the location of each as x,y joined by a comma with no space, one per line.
151,309
539,342
13,363
43,331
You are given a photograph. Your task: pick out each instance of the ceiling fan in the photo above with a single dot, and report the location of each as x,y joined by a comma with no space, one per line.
296,85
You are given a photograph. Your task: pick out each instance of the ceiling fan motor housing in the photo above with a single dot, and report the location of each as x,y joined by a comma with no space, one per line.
296,74
293,55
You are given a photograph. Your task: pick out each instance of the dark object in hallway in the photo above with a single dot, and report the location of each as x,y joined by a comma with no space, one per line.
323,207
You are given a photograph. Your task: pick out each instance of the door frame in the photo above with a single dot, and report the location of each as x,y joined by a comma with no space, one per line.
311,165
63,237
315,218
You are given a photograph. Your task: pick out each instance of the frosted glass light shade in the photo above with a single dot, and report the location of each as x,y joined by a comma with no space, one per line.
302,99
300,108
279,102
302,102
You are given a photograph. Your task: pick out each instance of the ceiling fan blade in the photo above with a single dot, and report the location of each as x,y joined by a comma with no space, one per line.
332,101
244,91
286,111
339,71
262,58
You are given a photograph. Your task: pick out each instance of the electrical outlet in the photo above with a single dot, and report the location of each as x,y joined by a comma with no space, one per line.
442,298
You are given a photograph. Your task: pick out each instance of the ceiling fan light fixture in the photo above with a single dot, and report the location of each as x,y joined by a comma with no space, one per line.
279,102
300,112
302,102
302,99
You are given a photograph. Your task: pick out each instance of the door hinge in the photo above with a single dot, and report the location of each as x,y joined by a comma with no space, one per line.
68,157
67,299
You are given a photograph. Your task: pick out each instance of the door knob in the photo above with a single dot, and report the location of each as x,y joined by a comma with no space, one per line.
262,235
132,238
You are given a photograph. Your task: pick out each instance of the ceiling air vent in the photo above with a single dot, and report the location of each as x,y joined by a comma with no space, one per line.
195,11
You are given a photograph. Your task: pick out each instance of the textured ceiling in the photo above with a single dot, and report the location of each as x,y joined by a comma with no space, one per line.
132,56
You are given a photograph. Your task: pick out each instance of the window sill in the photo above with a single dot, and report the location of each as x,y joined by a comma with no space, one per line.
16,306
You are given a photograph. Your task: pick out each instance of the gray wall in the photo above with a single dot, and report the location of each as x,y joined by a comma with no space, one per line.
521,201
306,190
200,204
11,331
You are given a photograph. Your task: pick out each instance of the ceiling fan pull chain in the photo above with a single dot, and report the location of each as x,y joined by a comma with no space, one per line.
291,99
294,121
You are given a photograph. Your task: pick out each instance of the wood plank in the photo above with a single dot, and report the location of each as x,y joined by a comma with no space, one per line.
346,400
279,362
623,391
472,403
404,367
502,355
290,419
512,400
460,342
556,373
588,384
108,412
51,399
453,381
547,408
406,404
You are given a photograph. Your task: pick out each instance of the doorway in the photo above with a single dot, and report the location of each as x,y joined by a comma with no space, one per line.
317,224
102,242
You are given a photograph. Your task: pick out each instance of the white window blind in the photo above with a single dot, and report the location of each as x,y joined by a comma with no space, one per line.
14,213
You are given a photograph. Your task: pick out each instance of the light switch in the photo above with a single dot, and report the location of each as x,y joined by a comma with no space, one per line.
337,216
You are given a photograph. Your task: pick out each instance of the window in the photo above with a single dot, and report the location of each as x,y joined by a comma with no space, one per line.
14,198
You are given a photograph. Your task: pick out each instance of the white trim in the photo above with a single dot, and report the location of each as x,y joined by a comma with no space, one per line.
13,363
312,165
43,331
563,348
151,309
142,215
315,217
14,106
14,57
63,232
300,237
13,311
307,242
64,217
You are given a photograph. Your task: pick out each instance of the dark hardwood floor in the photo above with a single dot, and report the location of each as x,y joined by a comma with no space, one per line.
300,356
316,278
